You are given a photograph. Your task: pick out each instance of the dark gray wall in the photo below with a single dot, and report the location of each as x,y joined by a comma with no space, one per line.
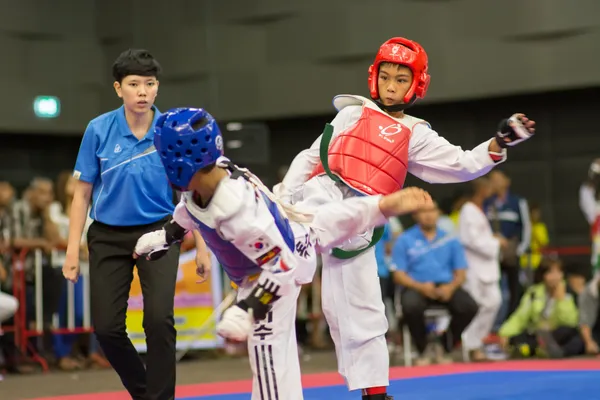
272,58
548,169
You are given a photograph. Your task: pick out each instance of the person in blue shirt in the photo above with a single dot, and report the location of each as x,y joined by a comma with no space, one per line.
123,186
509,217
382,249
431,268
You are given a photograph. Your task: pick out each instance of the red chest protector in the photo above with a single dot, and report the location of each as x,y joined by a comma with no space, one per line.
371,156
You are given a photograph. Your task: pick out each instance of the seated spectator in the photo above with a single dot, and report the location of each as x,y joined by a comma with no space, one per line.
431,269
8,349
64,343
546,321
8,303
577,275
589,316
482,249
33,229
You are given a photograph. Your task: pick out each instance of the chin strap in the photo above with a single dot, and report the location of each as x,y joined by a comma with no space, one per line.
396,107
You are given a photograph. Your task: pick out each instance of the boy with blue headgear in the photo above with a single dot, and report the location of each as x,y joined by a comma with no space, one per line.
268,249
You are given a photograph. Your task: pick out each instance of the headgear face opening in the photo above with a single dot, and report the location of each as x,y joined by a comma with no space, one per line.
403,52
187,140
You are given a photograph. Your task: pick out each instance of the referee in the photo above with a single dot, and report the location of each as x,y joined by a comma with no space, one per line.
121,176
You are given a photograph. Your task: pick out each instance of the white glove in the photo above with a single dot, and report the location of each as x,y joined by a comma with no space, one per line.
236,324
152,245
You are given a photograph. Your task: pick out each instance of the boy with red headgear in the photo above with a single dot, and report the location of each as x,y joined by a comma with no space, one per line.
369,148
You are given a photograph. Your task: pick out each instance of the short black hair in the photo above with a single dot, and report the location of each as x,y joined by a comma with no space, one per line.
546,264
135,62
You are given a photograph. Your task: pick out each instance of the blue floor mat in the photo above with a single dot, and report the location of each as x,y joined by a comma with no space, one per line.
522,385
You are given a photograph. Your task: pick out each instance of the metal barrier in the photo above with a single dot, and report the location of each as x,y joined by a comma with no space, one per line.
21,329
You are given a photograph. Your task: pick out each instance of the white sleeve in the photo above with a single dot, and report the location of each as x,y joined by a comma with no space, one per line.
525,227
474,239
181,216
249,225
587,202
435,160
305,162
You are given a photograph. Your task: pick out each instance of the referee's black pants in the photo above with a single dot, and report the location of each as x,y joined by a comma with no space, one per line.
111,273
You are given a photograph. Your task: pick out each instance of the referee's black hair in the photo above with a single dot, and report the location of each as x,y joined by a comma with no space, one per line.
135,62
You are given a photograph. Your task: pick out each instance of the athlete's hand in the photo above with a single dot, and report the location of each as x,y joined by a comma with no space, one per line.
203,265
151,245
405,201
514,130
236,324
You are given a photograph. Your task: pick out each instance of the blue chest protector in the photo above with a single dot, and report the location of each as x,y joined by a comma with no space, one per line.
235,264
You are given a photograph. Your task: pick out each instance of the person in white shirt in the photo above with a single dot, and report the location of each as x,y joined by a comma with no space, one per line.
589,203
369,148
482,248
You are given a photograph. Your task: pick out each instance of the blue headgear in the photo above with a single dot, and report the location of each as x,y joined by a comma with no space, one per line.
184,150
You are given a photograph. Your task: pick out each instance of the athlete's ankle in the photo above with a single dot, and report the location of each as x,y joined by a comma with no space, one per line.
375,393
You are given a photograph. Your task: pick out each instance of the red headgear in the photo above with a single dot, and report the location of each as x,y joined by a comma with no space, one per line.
404,52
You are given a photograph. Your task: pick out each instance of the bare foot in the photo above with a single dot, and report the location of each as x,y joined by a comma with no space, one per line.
405,201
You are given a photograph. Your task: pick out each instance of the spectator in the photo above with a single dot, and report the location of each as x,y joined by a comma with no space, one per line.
577,275
509,216
63,343
458,200
7,344
7,194
539,238
589,316
546,320
450,211
383,250
8,307
482,249
32,227
8,303
431,269
589,203
34,230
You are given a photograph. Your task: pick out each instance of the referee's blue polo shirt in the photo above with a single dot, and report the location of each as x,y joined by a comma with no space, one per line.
130,186
428,260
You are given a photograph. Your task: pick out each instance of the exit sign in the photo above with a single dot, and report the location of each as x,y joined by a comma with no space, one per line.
46,106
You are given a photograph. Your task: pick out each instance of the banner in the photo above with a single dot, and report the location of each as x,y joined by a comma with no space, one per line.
194,303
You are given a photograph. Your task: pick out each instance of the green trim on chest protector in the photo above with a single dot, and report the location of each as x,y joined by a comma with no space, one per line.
324,155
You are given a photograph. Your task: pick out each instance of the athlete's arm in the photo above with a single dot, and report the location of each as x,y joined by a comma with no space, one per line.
435,160
247,221
306,161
